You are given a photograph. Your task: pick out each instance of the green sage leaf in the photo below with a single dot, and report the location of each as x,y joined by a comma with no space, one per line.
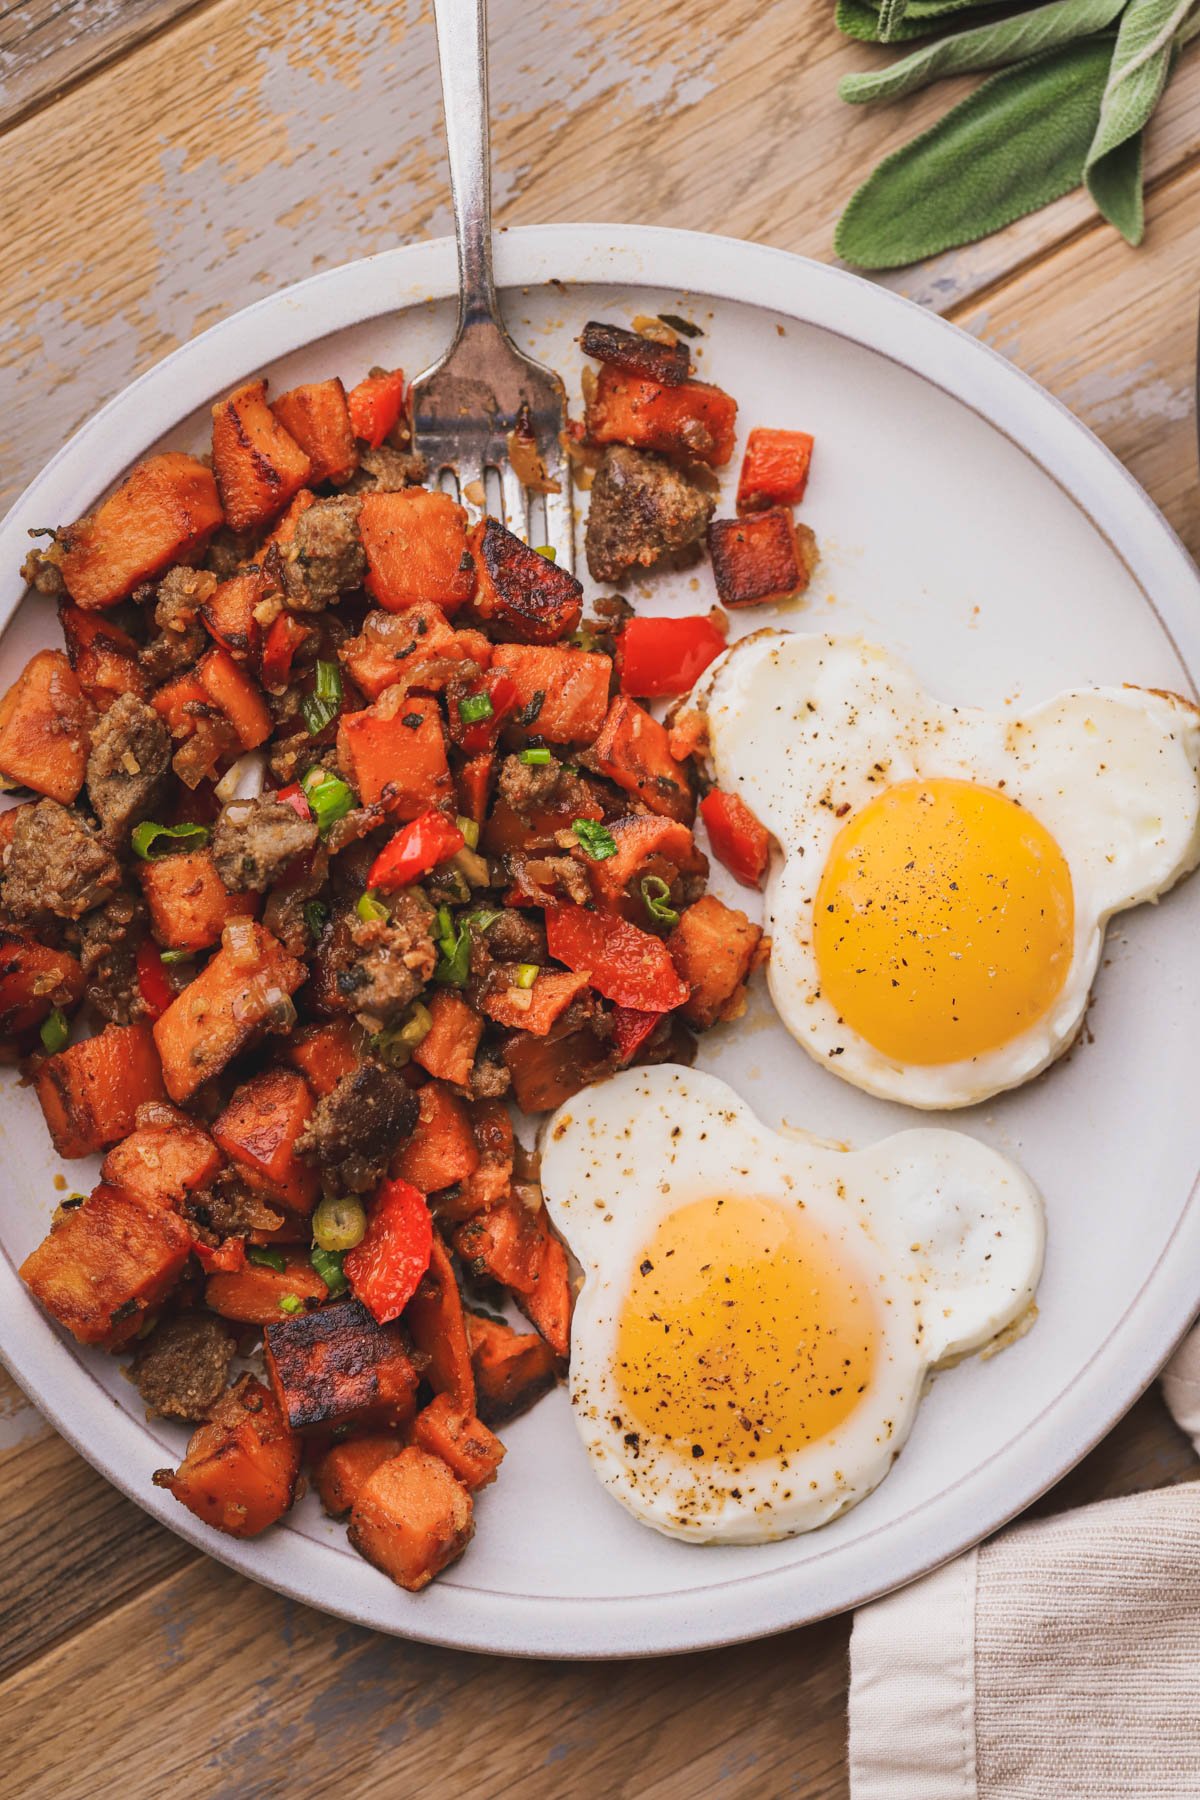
1014,145
1141,62
860,18
891,18
984,47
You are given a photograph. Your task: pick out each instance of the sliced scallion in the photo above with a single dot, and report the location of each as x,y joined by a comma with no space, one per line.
596,839
474,708
536,759
55,1031
655,895
526,974
152,842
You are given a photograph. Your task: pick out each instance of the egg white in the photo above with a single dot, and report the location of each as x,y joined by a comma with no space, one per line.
809,729
947,1234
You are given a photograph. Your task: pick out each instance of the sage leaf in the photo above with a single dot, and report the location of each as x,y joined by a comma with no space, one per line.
983,47
891,18
859,19
1014,145
1141,62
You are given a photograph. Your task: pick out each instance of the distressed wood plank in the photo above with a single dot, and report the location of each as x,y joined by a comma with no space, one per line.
45,45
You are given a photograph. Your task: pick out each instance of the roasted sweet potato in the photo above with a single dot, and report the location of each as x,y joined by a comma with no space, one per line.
493,1130
645,845
512,1368
189,904
693,419
166,1157
258,465
240,1470
337,1365
110,1262
715,948
33,978
243,991
774,469
90,1091
104,658
341,1471
229,612
632,750
520,592
473,786
463,1442
324,1053
252,1294
668,364
442,1149
412,1518
317,417
285,531
514,1246
258,1131
537,1008
235,695
547,1071
395,751
375,404
757,559
416,547
448,1050
44,724
417,646
562,692
164,512
434,1317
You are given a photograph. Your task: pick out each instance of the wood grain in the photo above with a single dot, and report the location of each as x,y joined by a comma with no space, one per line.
46,45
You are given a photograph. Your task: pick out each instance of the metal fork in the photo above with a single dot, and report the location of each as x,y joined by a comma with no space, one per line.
466,404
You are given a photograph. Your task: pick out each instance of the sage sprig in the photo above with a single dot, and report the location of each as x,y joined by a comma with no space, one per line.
1070,105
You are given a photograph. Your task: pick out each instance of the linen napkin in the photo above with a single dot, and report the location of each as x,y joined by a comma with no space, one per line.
1060,1661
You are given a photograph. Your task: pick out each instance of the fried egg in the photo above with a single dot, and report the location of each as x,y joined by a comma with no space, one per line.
760,1312
944,877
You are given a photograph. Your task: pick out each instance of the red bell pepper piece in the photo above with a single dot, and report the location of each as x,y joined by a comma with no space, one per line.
737,838
293,795
225,1258
631,1029
478,738
623,963
153,985
774,469
375,405
284,638
385,1269
666,656
415,849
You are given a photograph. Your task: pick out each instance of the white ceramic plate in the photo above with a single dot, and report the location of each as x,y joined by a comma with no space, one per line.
972,524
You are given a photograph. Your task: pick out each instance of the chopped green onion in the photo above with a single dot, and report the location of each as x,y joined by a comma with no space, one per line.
147,835
55,1030
176,956
470,831
266,1258
454,963
315,914
329,798
397,1044
526,975
337,1225
320,708
655,894
445,924
328,681
328,1265
290,1303
596,839
370,908
536,759
473,708
548,551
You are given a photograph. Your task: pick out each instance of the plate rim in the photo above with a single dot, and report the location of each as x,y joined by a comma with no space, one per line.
49,1370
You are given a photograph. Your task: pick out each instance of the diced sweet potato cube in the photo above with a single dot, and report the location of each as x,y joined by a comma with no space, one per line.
514,1246
473,785
692,419
774,469
463,1442
110,1262
91,1091
243,991
240,1470
340,1473
166,1157
258,465
715,948
645,845
512,1369
494,1137
666,363
757,559
285,531
520,593
229,612
442,1148
435,1318
394,647
547,1071
632,750
258,1131
412,1518
33,978
104,658
316,415
395,751
44,724
189,904
324,1053
416,548
448,1049
164,512
336,1364
537,1008
252,1294
562,692
235,695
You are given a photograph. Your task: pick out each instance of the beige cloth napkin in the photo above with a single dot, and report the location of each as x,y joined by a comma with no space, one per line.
1061,1661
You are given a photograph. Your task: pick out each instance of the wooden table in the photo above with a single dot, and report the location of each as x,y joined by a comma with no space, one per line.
167,161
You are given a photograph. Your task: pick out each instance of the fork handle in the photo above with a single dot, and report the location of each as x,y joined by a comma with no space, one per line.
462,52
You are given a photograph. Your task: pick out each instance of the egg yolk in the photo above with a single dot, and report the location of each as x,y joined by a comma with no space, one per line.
744,1334
944,921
